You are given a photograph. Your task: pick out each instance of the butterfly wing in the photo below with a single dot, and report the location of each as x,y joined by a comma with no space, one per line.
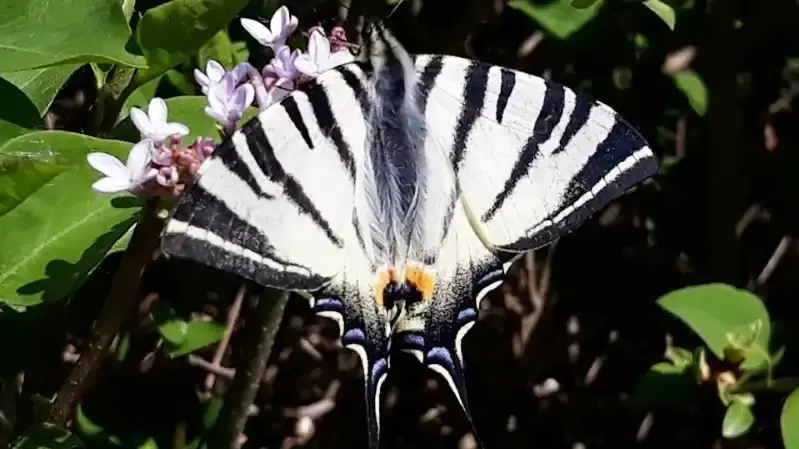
530,160
275,205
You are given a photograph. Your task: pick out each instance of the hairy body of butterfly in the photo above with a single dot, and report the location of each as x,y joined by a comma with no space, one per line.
398,189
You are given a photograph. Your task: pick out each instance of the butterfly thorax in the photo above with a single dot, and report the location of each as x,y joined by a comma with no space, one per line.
395,184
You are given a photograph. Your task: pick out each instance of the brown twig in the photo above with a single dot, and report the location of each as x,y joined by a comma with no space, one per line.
771,265
260,339
232,317
120,302
216,370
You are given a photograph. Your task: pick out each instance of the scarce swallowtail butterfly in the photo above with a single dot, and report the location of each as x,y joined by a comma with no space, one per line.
398,189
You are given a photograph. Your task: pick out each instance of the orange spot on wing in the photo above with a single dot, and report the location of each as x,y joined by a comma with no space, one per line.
423,282
383,279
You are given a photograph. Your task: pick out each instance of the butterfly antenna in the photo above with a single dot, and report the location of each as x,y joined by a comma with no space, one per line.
394,9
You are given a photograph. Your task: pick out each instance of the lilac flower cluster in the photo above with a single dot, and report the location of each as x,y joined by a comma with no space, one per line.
159,165
231,93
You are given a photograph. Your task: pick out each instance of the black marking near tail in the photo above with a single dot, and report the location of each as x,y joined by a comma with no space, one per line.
545,123
264,156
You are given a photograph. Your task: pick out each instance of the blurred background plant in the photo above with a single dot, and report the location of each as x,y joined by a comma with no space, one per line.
664,322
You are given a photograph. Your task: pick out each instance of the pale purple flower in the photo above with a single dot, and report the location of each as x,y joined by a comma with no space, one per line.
167,176
227,102
280,28
161,155
153,124
213,74
282,67
319,57
119,176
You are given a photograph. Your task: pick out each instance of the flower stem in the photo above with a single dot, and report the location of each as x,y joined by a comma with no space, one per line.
121,301
259,340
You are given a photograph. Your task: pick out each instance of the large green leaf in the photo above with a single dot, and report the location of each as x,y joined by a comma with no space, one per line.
723,315
222,50
17,114
173,32
56,228
558,17
41,85
789,420
663,10
40,33
189,111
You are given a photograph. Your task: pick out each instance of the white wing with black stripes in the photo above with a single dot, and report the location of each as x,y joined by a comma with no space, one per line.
398,189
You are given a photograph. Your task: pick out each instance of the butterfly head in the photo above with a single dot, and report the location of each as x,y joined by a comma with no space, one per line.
376,43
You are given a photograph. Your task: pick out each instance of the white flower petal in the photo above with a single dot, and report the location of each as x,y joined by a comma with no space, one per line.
112,185
318,47
338,58
211,112
107,165
142,121
280,19
214,70
258,31
201,79
157,111
175,129
138,158
305,65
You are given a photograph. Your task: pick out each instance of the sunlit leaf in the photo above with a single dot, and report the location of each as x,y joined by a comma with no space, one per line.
692,86
174,31
558,17
199,334
789,419
40,33
664,11
721,314
62,228
737,420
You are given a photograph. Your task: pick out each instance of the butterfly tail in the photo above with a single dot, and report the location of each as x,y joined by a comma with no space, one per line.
363,330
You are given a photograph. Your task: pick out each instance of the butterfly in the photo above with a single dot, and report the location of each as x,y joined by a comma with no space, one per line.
398,189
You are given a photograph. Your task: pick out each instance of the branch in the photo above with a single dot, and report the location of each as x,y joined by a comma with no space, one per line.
120,302
260,339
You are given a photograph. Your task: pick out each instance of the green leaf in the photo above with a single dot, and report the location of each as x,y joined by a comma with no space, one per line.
664,11
737,420
47,436
724,316
41,85
169,325
582,4
17,114
219,49
189,111
692,86
789,419
41,33
58,228
174,31
665,384
139,98
558,17
199,334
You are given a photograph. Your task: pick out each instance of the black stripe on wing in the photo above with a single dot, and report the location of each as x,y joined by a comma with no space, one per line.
203,211
620,144
262,151
545,123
